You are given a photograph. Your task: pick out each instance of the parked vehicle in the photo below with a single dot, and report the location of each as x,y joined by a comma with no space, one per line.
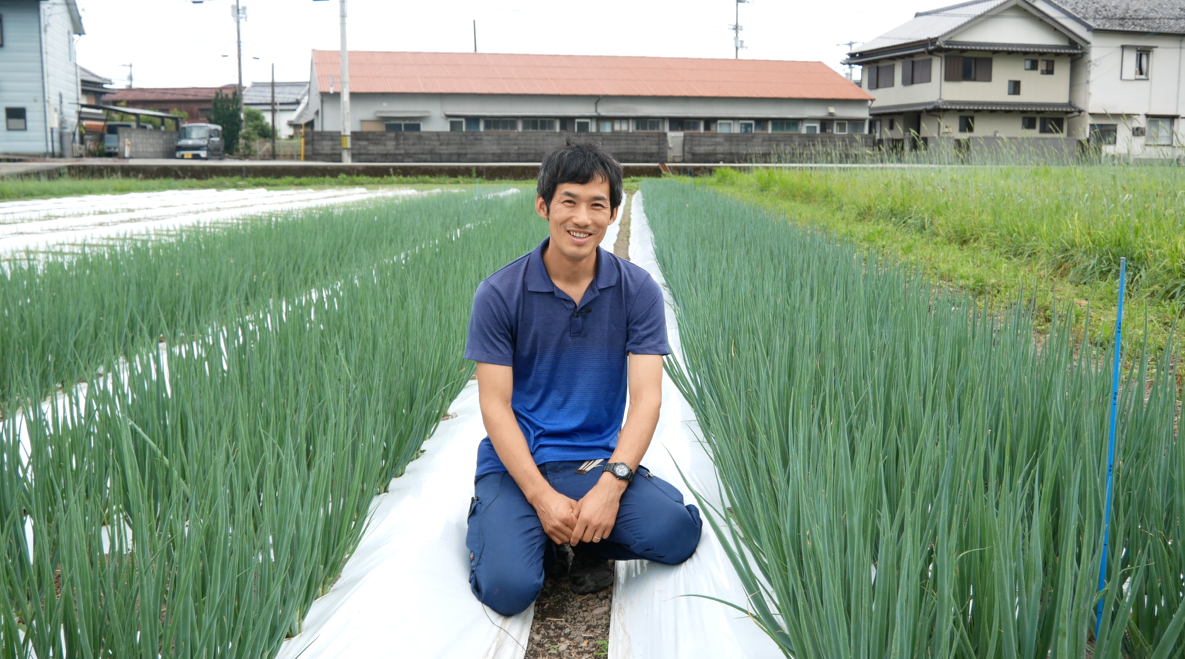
200,141
111,136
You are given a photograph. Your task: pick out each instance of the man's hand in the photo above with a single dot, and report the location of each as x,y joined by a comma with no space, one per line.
597,511
557,513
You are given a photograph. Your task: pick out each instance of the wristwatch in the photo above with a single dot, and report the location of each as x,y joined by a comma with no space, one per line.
621,470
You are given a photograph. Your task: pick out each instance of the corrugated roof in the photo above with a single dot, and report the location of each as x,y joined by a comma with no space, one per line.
86,75
158,94
1164,16
287,93
579,75
931,24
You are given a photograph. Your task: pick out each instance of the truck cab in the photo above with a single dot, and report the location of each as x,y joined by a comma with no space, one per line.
200,141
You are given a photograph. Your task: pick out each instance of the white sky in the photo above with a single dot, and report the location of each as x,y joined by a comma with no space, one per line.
175,43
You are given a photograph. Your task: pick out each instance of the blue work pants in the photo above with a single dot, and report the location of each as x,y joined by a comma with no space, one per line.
508,547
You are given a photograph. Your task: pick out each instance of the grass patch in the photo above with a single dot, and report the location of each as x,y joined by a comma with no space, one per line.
1050,235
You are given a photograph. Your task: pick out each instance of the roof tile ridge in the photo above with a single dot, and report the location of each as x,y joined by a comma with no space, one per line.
931,12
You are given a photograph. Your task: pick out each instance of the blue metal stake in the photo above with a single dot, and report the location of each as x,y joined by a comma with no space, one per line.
1111,444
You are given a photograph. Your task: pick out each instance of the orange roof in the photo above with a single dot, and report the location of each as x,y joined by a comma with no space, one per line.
581,75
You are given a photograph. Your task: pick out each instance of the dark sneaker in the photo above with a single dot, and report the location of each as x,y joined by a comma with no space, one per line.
589,573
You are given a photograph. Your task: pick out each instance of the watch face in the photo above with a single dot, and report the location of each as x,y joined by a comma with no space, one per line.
621,471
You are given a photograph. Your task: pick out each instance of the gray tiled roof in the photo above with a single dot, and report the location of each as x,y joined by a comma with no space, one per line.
930,24
288,94
972,106
1130,15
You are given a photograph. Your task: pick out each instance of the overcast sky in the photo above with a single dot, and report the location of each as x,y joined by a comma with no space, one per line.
176,43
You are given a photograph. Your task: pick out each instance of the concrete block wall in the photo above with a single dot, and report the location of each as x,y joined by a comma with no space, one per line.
425,147
147,143
770,147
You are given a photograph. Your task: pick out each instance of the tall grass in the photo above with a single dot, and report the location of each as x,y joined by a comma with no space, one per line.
64,317
231,473
1078,221
907,474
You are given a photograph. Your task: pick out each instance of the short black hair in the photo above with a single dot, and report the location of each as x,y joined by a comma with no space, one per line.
579,162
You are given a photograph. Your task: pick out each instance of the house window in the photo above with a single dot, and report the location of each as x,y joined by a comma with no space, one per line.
1053,125
723,126
1046,67
841,128
746,127
825,127
906,73
966,124
605,126
684,125
648,125
812,129
473,124
1014,88
539,124
915,72
1143,62
892,124
1160,131
1028,123
621,125
880,77
1030,65
785,126
402,127
583,125
14,119
503,125
1103,134
761,126
456,125
978,69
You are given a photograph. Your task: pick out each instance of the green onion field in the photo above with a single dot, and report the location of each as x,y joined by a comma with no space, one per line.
196,501
909,473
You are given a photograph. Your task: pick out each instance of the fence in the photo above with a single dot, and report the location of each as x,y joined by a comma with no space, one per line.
442,147
146,143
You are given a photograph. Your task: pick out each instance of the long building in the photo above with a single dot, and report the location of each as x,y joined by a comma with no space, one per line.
505,93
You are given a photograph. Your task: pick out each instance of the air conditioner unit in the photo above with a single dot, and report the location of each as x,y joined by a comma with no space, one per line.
1139,131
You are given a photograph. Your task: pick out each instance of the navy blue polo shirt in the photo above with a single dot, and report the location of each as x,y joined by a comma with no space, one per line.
570,363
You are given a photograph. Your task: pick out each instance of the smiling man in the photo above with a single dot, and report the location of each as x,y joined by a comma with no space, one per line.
559,336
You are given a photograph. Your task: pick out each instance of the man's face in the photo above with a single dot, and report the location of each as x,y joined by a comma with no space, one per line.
578,217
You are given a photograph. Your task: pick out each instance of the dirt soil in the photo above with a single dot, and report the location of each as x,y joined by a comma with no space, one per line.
570,625
567,624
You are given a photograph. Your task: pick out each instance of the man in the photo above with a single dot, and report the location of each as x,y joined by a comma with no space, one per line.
556,335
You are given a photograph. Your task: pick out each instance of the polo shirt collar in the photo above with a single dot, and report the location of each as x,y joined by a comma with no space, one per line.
539,281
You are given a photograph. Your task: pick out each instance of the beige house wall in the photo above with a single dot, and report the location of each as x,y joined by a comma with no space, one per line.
1034,87
1013,25
898,93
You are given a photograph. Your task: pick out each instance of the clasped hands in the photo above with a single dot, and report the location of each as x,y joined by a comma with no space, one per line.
590,519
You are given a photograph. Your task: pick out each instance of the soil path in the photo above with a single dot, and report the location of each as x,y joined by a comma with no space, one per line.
566,624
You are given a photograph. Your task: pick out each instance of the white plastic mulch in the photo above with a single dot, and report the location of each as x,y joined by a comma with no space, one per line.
405,590
64,221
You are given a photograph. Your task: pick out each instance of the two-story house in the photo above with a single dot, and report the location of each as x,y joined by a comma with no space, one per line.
39,80
986,69
1131,79
1107,72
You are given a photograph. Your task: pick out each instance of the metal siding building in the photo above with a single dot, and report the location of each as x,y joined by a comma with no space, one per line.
40,76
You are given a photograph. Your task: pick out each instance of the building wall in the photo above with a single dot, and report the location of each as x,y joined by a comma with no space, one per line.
147,143
63,88
437,146
900,94
1013,25
22,83
1034,87
769,147
433,111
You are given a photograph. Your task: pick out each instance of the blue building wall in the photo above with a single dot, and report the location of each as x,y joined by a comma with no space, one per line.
39,72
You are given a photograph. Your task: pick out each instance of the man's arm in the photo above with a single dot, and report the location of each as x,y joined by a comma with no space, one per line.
597,511
495,384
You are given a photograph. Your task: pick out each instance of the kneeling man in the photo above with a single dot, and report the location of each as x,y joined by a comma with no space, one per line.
557,335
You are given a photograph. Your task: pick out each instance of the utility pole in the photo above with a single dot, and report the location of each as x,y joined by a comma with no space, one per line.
274,127
849,44
129,68
345,62
736,30
475,35
239,16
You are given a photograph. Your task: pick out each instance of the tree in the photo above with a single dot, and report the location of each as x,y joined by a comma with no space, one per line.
225,113
257,126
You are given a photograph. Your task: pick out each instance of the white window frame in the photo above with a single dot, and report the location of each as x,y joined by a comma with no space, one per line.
750,124
841,128
811,128
720,125
605,126
588,125
1164,130
1146,56
796,122
458,123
